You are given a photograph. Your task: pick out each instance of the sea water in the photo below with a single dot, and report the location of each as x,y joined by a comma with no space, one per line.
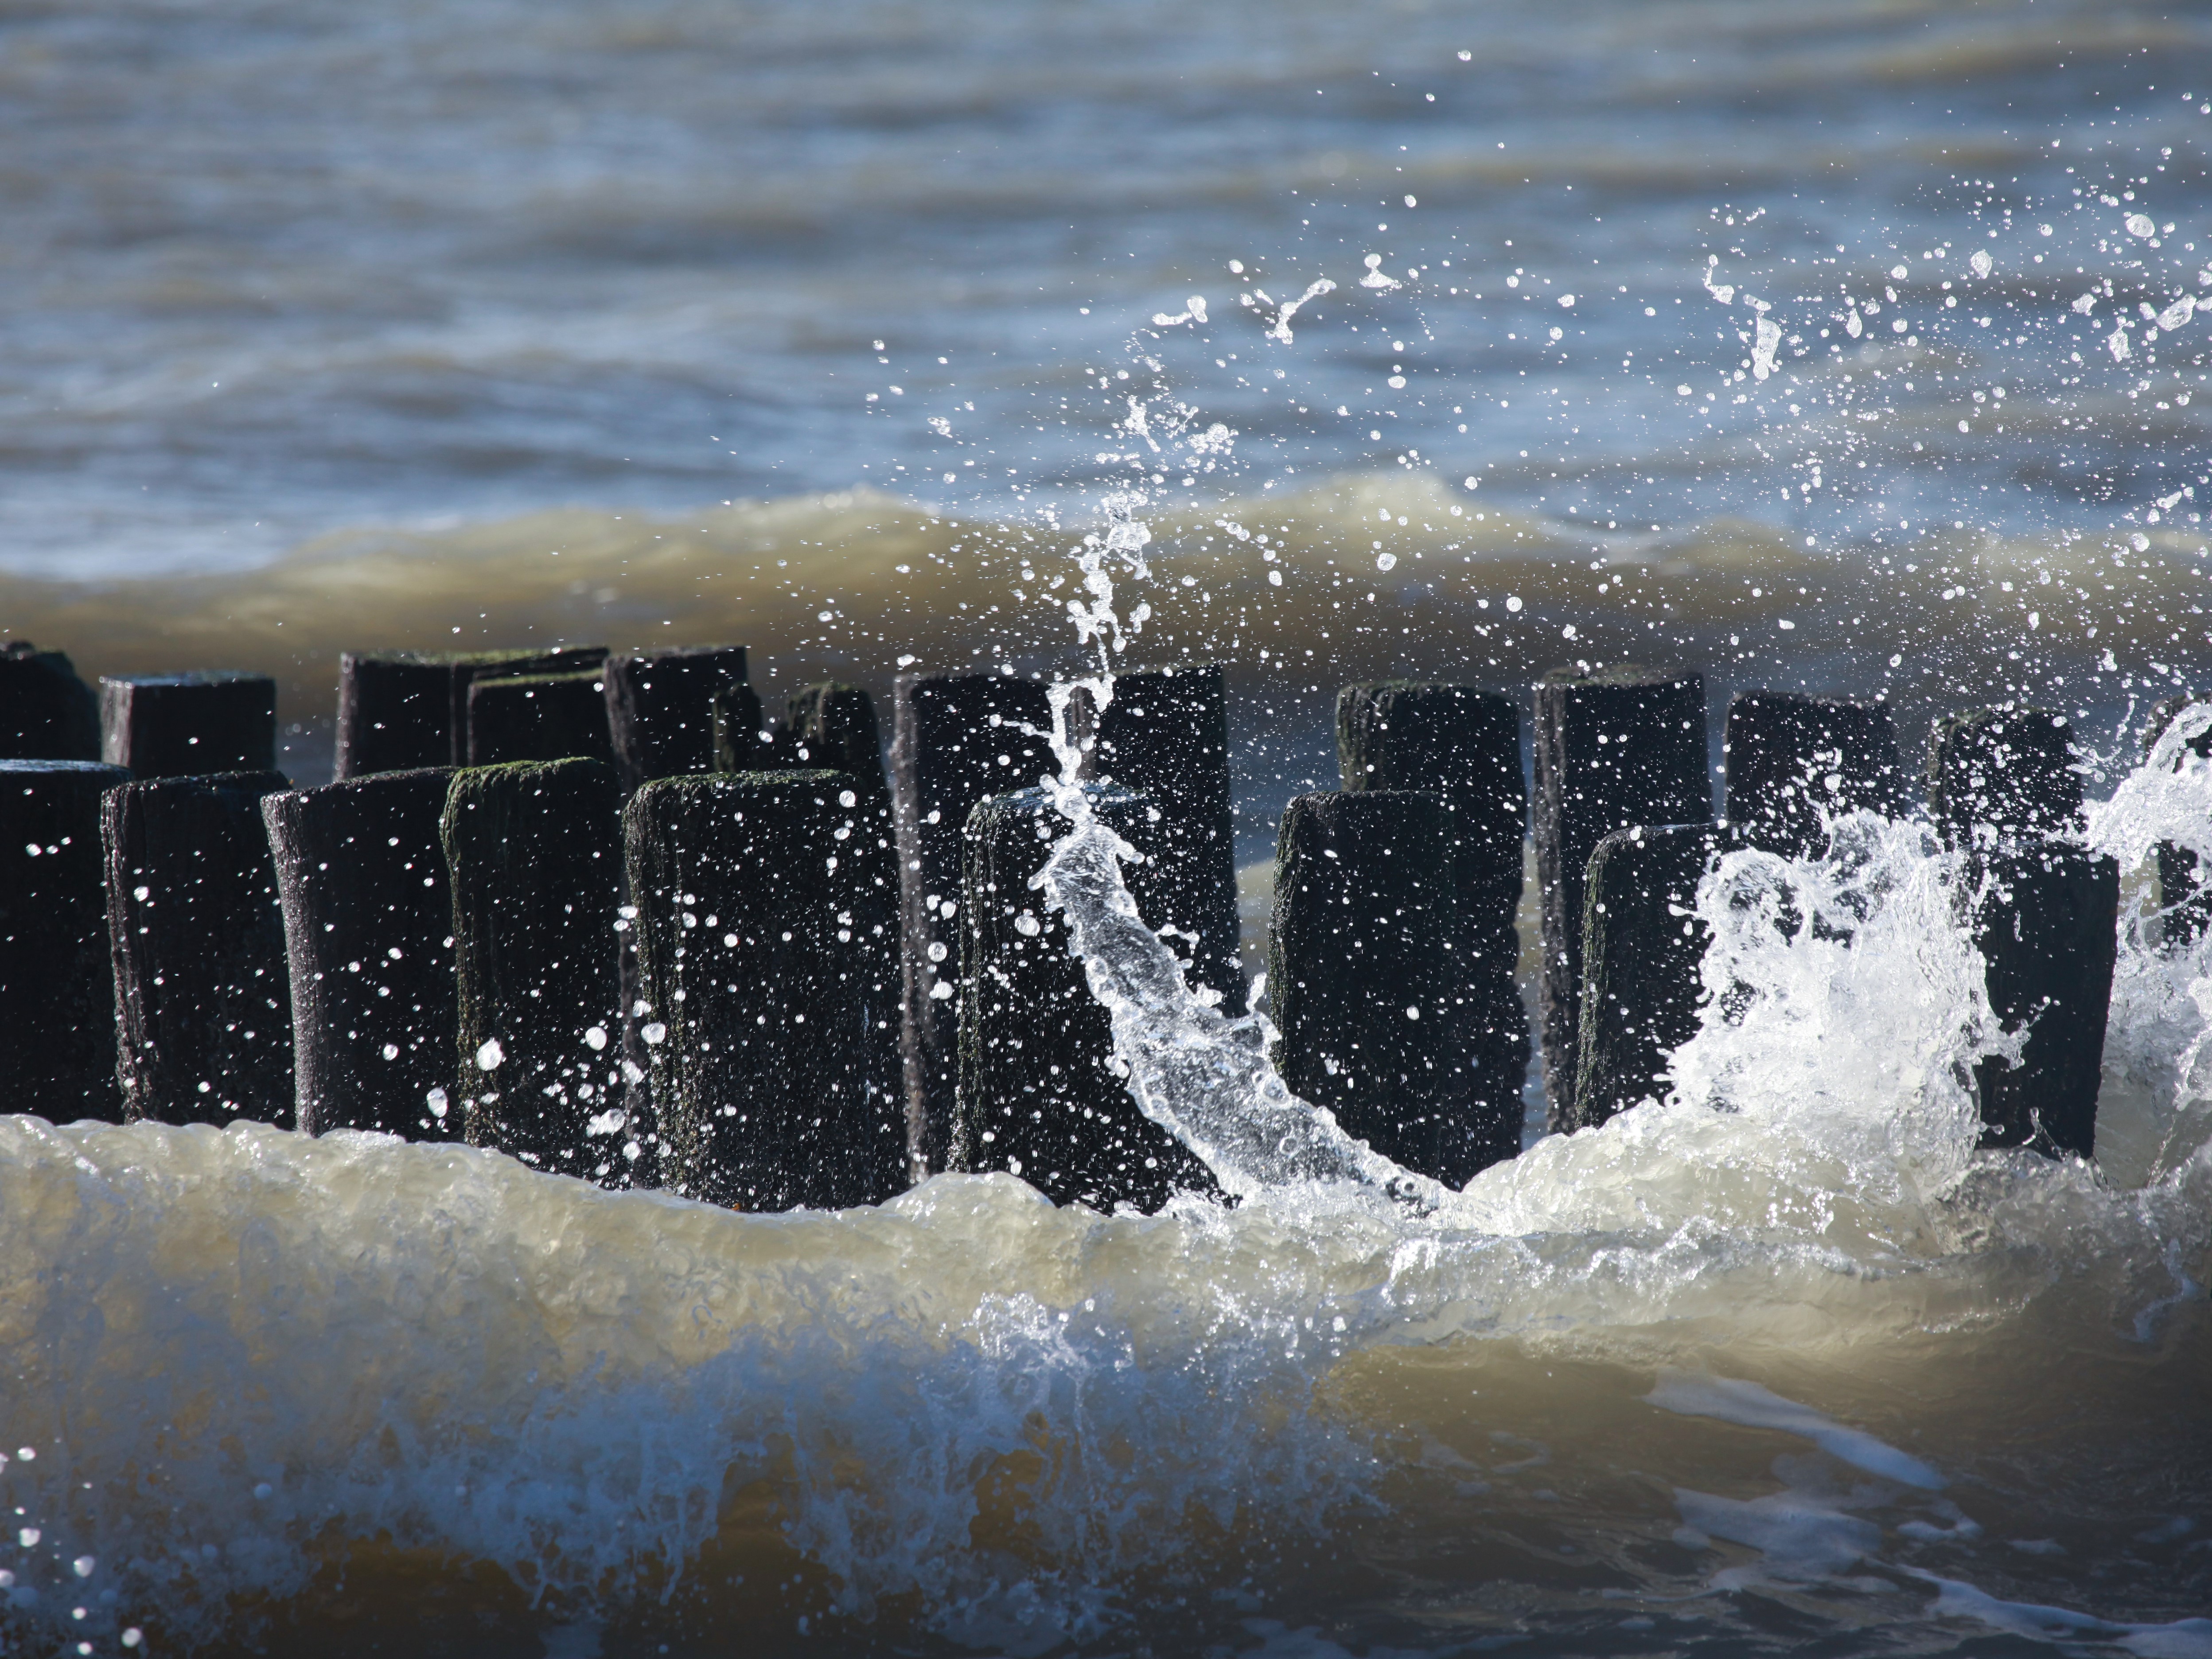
1326,344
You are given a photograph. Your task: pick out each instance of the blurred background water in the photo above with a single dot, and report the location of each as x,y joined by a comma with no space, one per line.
274,271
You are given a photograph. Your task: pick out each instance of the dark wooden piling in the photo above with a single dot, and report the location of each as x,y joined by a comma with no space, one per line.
2183,901
1464,745
835,726
57,991
1997,775
769,969
660,709
1614,749
955,739
1361,983
1165,734
400,710
664,718
368,922
743,741
533,850
2003,788
1039,1096
46,713
1642,998
1789,759
2045,916
539,717
180,726
203,1001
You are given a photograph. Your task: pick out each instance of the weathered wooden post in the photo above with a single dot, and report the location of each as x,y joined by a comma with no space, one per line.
399,710
835,726
1995,775
1040,1096
533,851
769,969
1361,981
2184,905
955,739
1463,745
539,717
1790,758
2003,788
202,1002
1615,748
2045,918
743,741
1642,948
368,922
46,713
57,991
1165,734
180,726
660,708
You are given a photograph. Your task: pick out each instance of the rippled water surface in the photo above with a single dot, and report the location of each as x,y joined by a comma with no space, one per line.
1851,348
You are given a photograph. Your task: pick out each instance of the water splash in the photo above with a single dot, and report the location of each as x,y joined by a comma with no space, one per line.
1203,1076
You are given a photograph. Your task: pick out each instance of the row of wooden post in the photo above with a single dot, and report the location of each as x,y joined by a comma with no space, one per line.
598,911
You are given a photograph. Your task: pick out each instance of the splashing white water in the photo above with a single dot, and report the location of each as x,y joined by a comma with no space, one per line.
1203,1075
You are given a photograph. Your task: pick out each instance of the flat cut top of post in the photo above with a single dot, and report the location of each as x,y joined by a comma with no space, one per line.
1619,673
195,677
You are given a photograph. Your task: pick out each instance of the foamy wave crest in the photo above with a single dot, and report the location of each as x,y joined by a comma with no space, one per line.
244,1362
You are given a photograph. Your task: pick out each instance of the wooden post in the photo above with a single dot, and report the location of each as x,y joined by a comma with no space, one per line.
57,991
2184,903
664,718
1615,749
1038,1095
2003,788
202,1002
1788,759
739,725
660,708
368,921
1464,745
533,851
1995,775
2045,916
539,717
182,725
1165,734
46,713
955,739
835,726
1641,952
769,969
399,710
1361,981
